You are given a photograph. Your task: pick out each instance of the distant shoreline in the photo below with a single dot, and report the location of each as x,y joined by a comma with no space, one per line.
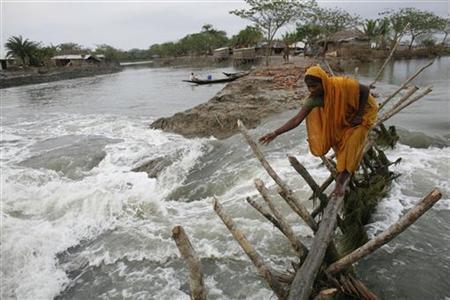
36,76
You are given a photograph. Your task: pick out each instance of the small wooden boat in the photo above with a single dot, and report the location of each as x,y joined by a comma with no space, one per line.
220,80
235,74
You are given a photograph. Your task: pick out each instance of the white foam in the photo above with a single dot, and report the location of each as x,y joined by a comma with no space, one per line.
422,170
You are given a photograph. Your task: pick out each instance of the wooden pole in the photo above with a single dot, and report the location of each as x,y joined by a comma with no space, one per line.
257,260
405,84
383,238
304,278
317,190
263,211
389,57
298,246
198,291
300,209
328,66
405,104
408,94
329,165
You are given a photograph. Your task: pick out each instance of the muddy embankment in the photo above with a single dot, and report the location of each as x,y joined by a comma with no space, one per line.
34,76
264,92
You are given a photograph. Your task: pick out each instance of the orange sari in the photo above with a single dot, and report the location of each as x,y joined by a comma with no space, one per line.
329,126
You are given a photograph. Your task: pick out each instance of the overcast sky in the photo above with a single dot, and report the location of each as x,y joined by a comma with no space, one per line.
141,23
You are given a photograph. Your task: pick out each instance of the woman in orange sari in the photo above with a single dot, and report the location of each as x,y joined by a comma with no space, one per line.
339,113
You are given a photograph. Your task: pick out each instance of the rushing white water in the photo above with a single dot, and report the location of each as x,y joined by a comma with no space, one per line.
77,223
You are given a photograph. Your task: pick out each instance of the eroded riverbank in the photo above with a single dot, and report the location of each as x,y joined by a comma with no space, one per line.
264,92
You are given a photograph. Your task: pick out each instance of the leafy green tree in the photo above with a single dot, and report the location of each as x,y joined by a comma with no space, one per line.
71,48
308,33
136,54
251,35
110,53
213,38
332,20
270,15
370,28
444,27
42,55
421,22
384,28
427,41
17,47
377,30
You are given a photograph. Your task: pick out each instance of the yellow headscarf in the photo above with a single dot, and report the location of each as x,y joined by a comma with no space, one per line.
328,126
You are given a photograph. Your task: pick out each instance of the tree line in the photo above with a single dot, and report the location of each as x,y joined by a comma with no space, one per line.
312,24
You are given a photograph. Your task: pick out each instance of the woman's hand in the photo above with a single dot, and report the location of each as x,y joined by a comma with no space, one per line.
356,120
267,138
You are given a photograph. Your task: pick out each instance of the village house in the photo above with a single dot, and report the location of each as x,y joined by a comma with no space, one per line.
276,48
342,42
244,55
222,53
77,59
7,62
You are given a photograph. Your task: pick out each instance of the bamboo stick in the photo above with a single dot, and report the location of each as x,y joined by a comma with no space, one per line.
365,293
263,211
300,209
326,183
329,165
305,175
397,42
304,278
295,205
408,94
198,291
383,238
328,66
298,246
405,84
257,260
405,104
318,191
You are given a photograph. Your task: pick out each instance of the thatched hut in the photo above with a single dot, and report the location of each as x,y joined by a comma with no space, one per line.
76,59
342,42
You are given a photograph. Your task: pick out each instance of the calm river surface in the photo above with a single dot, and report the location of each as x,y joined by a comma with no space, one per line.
77,223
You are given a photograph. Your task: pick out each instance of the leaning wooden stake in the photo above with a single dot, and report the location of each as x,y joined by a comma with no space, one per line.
405,84
408,94
397,42
257,260
383,238
301,210
198,291
266,214
405,104
298,246
304,278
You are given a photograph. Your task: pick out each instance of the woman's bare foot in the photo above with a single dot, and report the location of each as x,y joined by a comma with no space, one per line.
342,180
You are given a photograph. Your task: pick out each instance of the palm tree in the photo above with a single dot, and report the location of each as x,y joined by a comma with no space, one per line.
18,47
371,29
383,30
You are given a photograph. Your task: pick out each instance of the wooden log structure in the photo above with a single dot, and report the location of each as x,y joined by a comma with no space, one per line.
322,270
198,291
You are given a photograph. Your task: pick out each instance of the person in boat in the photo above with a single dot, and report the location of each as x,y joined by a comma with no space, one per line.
192,77
339,113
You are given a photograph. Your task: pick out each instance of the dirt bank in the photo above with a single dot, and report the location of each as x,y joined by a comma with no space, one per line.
41,75
266,91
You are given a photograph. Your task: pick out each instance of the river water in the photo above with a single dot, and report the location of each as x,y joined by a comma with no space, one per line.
77,223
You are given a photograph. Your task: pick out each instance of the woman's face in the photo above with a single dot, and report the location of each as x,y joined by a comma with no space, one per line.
315,88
